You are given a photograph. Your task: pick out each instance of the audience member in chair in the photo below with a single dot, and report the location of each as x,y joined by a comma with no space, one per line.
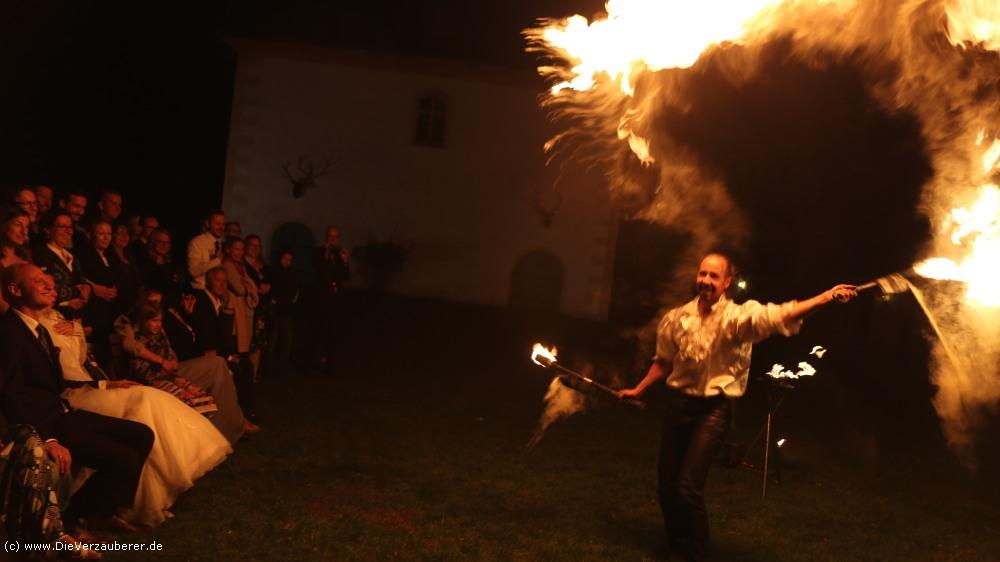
210,373
31,387
33,504
186,446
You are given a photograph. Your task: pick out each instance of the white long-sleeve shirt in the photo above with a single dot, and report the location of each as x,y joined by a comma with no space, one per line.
711,354
199,258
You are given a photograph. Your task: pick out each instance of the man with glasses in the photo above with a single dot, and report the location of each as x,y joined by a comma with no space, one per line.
25,199
55,259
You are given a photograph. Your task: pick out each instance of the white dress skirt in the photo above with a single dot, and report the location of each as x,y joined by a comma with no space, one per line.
187,445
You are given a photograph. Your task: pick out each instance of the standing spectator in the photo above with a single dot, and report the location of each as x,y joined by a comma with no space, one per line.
234,229
134,223
109,206
55,259
140,241
257,271
127,277
332,271
284,295
244,292
43,195
97,268
158,268
204,251
75,204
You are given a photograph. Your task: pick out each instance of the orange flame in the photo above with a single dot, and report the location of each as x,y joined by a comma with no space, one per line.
977,230
974,22
640,35
540,350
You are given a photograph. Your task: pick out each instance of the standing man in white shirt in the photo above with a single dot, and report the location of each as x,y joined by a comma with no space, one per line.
205,250
703,351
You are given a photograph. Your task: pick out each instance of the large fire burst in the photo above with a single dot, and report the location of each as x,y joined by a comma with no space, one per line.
609,76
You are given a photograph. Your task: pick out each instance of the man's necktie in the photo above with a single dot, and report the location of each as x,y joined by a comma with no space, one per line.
46,341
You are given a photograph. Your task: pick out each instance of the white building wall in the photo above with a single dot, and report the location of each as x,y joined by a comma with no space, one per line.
466,209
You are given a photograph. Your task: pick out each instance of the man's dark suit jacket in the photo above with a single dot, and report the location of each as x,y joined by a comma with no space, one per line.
181,335
214,332
30,382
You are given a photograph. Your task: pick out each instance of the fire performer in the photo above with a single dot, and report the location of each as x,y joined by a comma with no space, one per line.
703,352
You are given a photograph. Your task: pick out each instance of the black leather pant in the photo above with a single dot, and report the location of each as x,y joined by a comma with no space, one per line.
693,432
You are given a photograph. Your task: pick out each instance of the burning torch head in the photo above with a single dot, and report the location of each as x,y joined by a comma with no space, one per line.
543,356
890,284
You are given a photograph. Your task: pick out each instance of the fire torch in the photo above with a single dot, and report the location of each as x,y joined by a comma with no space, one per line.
544,357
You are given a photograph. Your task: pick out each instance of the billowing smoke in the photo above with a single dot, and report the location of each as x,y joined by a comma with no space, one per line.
615,82
560,402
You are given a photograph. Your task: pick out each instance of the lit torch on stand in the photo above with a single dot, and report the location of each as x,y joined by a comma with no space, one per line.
544,357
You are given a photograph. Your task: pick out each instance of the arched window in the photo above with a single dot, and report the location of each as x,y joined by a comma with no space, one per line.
432,111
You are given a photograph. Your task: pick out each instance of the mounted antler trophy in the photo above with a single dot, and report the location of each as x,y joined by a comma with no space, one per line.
547,211
305,174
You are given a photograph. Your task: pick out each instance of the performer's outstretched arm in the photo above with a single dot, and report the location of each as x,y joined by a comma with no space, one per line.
657,372
840,293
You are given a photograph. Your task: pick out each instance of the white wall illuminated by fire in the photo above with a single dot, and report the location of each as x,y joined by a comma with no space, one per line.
467,210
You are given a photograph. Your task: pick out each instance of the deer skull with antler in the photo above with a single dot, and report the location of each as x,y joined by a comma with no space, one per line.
305,175
547,212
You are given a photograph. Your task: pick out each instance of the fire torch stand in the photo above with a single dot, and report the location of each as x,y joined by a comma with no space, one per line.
776,393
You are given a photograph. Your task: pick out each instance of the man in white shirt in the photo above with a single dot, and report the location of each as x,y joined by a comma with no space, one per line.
205,250
703,351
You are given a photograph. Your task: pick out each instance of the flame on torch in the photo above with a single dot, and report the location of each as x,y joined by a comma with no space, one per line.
976,230
543,356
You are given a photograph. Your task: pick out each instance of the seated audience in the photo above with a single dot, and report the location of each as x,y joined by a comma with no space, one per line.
186,445
209,372
147,319
34,494
32,382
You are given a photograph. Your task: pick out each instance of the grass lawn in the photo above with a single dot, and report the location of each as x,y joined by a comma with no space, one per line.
416,450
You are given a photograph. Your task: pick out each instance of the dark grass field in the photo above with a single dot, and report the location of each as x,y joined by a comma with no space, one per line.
415,449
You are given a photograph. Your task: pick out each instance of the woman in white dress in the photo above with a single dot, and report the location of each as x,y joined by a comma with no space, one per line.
187,445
